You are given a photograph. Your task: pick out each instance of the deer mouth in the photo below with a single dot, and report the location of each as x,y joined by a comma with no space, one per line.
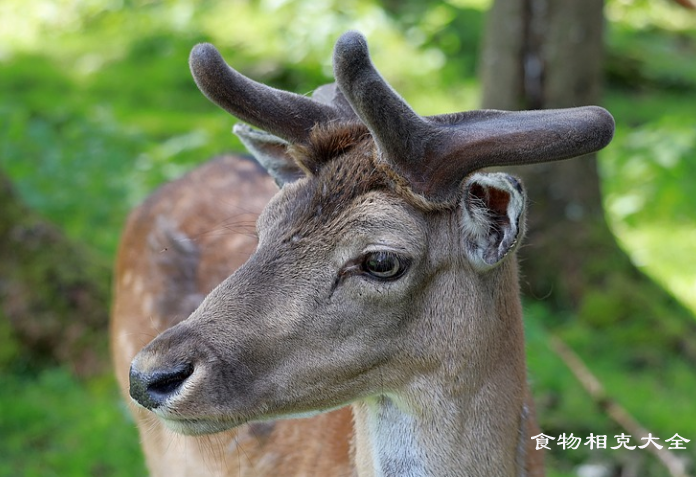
199,425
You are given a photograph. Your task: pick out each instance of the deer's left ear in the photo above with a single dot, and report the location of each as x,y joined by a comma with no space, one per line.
271,152
492,218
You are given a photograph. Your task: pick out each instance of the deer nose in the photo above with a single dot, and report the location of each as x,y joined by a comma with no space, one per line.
153,389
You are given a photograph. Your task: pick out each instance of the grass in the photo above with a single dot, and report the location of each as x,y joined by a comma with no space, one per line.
53,425
661,398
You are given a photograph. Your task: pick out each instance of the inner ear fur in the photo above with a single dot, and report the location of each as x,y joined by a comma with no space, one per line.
492,217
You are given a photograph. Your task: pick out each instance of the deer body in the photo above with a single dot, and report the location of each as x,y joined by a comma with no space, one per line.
384,278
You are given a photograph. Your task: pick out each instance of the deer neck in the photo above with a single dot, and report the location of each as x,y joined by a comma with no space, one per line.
466,418
391,441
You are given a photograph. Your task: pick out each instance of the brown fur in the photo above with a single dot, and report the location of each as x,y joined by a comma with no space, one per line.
326,143
214,209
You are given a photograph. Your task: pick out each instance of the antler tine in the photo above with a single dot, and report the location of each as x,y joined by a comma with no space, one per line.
287,115
398,131
476,139
435,153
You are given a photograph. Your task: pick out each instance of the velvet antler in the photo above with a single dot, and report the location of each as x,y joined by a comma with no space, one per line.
432,153
435,153
287,115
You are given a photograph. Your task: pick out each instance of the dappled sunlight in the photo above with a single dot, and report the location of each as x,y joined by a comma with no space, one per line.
113,110
667,252
640,14
649,197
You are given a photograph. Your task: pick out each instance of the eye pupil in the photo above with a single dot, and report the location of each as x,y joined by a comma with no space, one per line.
383,265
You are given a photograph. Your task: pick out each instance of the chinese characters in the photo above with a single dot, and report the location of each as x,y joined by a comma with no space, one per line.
676,442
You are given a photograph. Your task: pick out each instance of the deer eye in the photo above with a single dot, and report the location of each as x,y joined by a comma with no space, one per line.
384,265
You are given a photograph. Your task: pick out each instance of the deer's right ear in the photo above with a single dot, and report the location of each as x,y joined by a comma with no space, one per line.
271,152
492,220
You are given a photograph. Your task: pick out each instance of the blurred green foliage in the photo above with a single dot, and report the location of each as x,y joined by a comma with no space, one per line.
652,205
102,107
98,108
659,395
51,425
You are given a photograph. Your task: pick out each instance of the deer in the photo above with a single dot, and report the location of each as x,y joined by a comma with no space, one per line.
372,325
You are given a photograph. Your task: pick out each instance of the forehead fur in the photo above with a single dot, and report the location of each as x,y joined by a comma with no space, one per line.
327,141
340,171
344,159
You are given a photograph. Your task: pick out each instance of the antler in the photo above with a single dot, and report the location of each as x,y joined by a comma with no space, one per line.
436,153
287,115
433,153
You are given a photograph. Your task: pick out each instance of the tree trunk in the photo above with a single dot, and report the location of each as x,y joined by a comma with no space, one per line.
550,57
548,54
54,294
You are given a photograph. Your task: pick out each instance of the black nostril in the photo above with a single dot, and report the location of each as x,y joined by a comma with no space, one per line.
153,389
167,382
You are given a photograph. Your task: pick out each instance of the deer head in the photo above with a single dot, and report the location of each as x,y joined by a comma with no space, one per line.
384,275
